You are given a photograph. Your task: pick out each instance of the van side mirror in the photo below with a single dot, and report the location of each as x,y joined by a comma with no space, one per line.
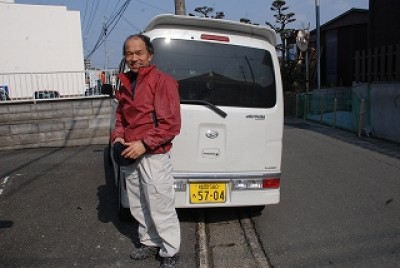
106,89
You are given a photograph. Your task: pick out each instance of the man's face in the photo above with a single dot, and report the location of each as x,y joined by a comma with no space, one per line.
136,54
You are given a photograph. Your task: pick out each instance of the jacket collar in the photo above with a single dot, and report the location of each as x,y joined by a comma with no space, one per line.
144,71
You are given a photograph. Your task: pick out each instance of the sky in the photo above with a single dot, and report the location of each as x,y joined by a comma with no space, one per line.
94,13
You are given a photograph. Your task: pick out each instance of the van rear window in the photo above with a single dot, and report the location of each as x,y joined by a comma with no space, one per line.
223,74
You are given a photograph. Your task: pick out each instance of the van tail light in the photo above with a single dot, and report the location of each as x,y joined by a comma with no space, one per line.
213,37
271,183
256,184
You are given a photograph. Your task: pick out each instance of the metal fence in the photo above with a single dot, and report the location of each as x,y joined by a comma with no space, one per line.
343,109
52,85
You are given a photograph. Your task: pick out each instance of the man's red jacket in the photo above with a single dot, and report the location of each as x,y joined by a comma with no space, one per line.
152,113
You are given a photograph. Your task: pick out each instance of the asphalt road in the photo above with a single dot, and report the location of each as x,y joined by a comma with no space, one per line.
340,201
340,207
58,209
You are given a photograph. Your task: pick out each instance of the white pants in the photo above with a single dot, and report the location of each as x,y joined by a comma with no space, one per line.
151,194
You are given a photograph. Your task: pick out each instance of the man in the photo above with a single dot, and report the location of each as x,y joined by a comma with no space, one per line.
147,120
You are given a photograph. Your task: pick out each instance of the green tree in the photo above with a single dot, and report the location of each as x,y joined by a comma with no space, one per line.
283,18
220,15
206,10
245,20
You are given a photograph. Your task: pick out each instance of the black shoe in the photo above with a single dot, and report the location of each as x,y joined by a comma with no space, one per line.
169,262
144,252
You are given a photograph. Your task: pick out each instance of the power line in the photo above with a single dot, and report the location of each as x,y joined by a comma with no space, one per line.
108,27
84,14
115,7
153,6
92,15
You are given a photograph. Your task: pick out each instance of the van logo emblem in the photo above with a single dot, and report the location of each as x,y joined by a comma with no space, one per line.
212,134
256,116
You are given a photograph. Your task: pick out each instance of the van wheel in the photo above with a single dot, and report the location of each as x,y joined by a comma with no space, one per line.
124,214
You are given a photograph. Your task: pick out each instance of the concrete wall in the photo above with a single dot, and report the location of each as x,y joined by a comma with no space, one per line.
385,111
55,124
87,121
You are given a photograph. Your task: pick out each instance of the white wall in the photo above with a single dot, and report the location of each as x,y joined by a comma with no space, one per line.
39,39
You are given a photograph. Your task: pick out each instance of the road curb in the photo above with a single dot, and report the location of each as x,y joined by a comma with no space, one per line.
253,241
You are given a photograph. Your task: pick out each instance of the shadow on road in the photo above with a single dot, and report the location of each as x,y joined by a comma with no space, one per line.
108,208
108,204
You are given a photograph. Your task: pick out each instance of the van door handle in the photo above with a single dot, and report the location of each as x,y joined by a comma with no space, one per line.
211,153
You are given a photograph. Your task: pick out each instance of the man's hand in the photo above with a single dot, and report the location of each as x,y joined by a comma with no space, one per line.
133,149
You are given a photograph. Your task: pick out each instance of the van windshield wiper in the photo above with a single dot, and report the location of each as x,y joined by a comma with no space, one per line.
208,104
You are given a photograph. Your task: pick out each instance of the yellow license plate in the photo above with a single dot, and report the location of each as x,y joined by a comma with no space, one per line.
201,193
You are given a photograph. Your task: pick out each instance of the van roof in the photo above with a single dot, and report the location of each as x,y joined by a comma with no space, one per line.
179,21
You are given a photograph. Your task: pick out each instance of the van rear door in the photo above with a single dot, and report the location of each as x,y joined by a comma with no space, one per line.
231,120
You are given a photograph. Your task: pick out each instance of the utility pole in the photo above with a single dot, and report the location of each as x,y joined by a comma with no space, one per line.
180,8
105,46
318,45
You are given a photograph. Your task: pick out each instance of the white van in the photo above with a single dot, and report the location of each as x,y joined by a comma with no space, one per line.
228,153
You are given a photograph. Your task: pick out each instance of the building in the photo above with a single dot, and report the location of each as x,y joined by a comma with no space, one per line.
46,42
360,46
384,25
340,38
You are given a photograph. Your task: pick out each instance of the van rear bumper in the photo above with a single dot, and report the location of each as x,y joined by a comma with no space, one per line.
237,199
241,189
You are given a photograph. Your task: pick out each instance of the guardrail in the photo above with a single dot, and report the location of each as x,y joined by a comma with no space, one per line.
17,87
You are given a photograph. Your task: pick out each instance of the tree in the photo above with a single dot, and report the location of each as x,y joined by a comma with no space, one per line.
245,20
283,19
205,11
220,15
